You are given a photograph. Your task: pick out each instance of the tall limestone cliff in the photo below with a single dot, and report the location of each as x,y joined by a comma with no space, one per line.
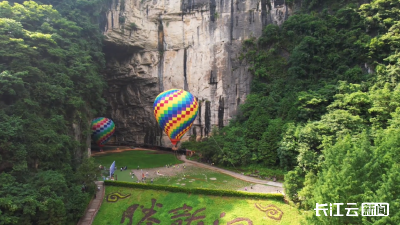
155,45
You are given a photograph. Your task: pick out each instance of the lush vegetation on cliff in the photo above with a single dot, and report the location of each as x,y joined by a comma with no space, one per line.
50,87
325,105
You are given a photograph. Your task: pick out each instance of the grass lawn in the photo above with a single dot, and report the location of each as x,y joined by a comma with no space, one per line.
263,171
200,178
250,169
209,209
133,159
121,175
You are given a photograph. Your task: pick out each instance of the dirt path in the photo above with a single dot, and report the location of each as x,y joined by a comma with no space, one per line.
157,172
120,150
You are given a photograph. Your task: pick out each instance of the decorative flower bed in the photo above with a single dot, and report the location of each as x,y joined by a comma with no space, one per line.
272,211
114,197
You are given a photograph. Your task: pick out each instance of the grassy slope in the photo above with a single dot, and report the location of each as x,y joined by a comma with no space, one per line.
133,159
111,213
200,178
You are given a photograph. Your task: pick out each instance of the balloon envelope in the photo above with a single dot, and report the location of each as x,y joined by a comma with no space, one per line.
102,130
175,110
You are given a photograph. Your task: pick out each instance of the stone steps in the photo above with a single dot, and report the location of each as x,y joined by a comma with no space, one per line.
93,206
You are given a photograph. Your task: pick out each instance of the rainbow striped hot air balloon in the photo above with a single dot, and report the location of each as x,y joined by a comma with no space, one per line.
102,128
175,111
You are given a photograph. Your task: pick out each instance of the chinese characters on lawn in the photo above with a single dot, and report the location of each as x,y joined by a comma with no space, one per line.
367,209
186,215
148,213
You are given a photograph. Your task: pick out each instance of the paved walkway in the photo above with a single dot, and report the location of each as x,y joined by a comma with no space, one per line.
94,206
230,173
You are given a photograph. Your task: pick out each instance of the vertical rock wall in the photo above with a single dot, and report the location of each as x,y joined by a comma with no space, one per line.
155,45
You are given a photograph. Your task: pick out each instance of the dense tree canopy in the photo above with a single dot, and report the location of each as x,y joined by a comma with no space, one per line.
50,87
324,106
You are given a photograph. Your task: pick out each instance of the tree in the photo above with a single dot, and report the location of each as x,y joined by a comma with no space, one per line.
49,82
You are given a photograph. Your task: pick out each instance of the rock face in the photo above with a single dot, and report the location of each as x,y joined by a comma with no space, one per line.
155,45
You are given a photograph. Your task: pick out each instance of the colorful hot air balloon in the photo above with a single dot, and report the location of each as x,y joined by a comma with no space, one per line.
175,111
103,129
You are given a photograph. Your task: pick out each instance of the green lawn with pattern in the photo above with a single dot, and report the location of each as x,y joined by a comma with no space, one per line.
211,209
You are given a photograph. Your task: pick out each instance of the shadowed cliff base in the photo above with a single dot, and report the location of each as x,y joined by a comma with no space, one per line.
119,51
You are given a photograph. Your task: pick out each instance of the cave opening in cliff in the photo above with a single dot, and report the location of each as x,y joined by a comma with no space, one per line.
117,52
279,3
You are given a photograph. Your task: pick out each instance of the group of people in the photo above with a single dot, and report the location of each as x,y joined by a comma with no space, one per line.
124,168
113,177
144,176
144,181
251,186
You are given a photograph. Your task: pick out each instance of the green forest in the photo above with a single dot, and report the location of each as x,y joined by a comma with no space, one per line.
324,108
51,85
